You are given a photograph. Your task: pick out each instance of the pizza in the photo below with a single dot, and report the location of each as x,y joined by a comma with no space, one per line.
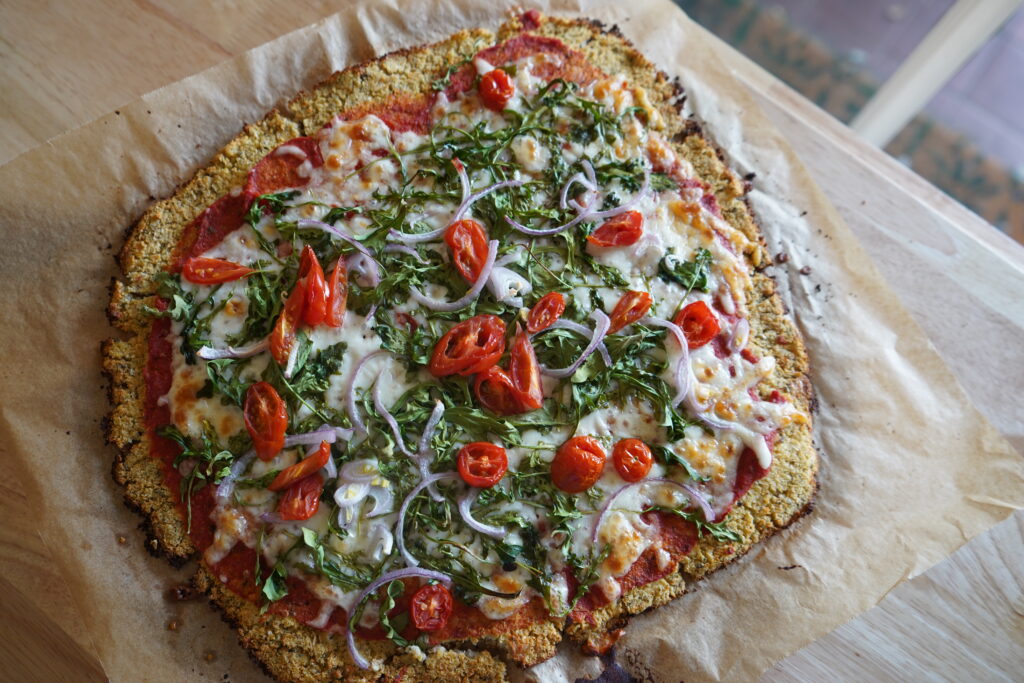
464,352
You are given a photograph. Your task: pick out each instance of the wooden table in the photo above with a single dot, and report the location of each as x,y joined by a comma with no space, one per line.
64,64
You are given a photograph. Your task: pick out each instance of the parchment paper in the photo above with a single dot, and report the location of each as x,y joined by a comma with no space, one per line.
910,471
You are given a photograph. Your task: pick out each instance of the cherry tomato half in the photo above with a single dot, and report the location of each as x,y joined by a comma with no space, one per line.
619,231
524,370
314,311
698,323
631,307
431,607
212,271
495,392
496,89
302,499
467,240
337,297
302,469
482,464
469,347
266,419
578,464
632,459
282,337
545,312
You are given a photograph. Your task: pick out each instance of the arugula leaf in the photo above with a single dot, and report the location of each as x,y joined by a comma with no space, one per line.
670,457
211,463
690,274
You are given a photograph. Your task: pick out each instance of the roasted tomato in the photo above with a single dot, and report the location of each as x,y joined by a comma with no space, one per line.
469,347
496,89
212,271
524,370
431,607
632,459
545,312
302,499
631,307
578,464
482,464
698,323
314,311
619,231
266,419
467,240
282,337
302,469
495,392
337,295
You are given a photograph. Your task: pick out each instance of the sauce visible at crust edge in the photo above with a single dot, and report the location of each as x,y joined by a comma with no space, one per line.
236,570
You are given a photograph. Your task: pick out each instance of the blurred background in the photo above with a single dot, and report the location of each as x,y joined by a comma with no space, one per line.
967,139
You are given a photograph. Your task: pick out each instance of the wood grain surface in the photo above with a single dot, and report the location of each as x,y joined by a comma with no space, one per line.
63,64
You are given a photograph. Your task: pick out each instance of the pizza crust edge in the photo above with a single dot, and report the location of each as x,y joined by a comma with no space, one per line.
292,651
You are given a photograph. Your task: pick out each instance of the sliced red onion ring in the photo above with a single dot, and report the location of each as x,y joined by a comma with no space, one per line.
562,324
383,501
740,335
695,495
271,518
363,470
578,178
378,403
428,430
600,330
384,578
400,525
508,286
466,501
326,433
473,293
351,494
365,268
309,223
350,394
210,353
683,374
404,249
227,484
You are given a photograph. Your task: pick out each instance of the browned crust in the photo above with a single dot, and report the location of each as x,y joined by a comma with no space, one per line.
291,651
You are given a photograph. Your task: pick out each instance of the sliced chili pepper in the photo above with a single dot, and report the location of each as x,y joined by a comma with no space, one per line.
545,312
631,307
302,469
302,499
482,464
619,231
496,89
212,271
469,347
468,243
266,419
578,464
698,323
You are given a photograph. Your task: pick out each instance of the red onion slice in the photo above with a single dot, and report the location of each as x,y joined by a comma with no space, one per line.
351,494
400,524
365,269
578,178
466,501
210,353
350,395
378,403
430,428
363,470
416,238
404,249
694,494
473,293
600,330
308,223
387,577
508,286
227,484
383,501
326,433
740,335
683,375
562,324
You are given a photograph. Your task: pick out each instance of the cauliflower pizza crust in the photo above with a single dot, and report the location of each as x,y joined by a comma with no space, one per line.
463,352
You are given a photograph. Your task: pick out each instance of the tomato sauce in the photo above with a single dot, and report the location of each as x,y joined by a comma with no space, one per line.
236,570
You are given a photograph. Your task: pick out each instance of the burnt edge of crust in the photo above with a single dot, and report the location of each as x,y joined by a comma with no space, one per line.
125,297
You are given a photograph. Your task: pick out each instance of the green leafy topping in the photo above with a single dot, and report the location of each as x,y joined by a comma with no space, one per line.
690,274
211,462
719,530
